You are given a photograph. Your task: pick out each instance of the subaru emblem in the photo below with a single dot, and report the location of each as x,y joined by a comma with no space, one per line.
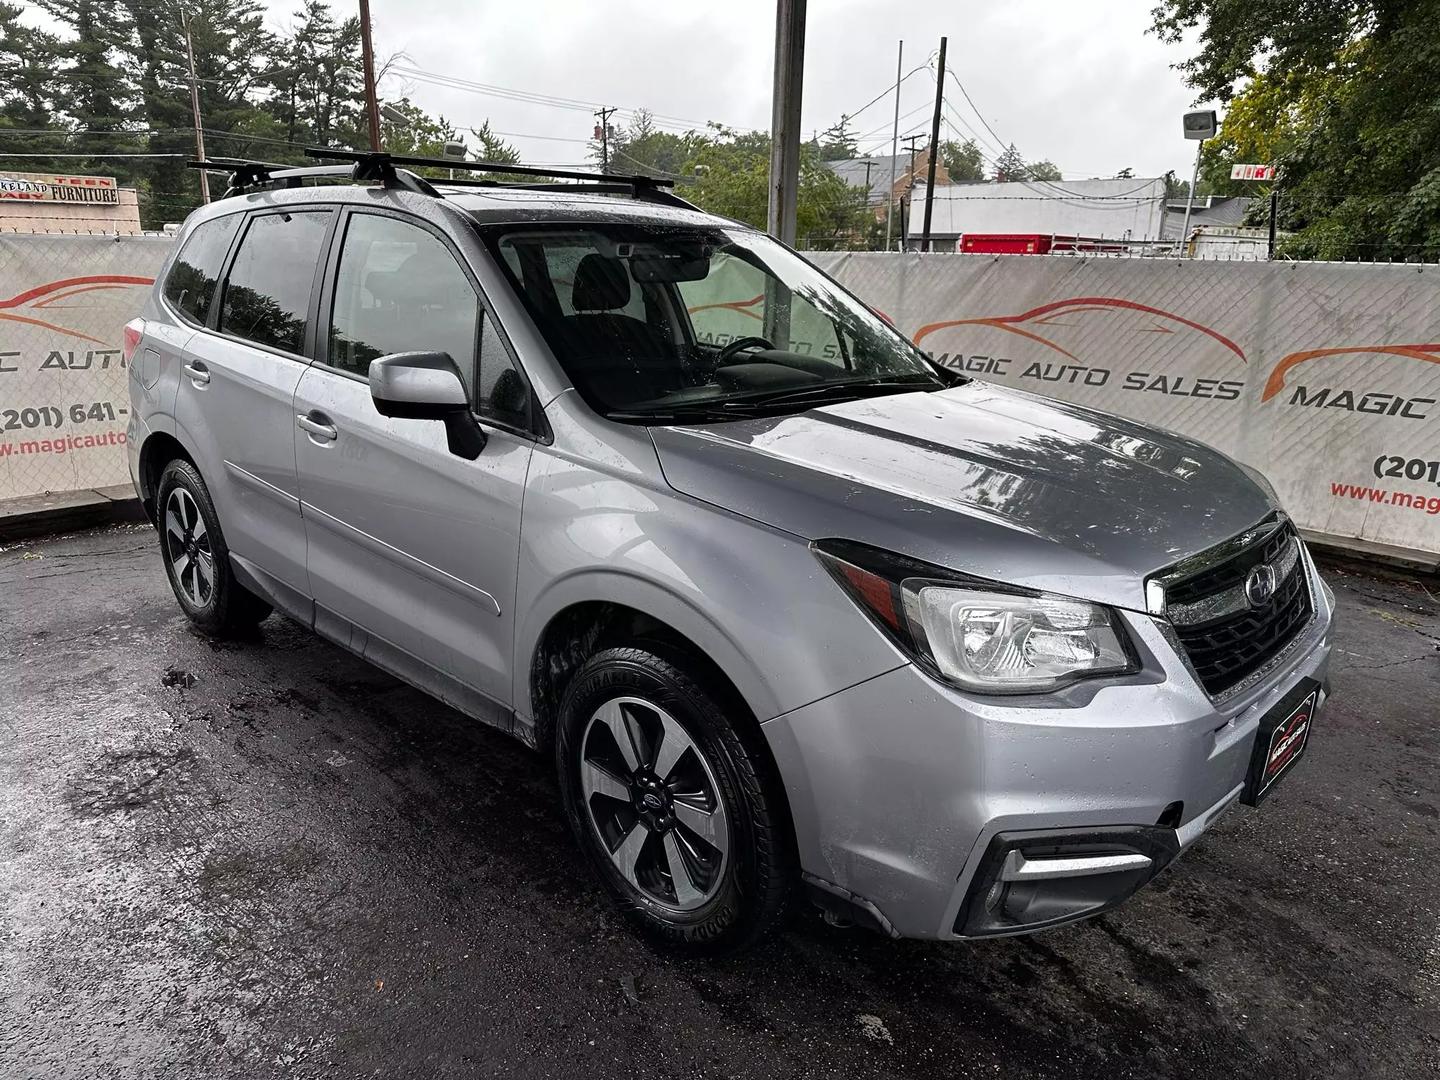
1260,585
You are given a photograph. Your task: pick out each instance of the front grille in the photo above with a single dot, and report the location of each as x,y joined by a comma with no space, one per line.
1227,639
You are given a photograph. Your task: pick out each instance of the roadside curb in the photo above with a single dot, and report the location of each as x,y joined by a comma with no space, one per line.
41,515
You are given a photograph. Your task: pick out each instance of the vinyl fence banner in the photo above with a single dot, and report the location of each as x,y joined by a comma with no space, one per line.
64,404
1325,376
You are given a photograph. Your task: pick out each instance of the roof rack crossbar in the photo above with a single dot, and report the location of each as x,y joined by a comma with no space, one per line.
245,175
635,180
387,169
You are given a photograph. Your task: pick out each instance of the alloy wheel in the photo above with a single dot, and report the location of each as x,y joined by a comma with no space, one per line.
652,799
187,542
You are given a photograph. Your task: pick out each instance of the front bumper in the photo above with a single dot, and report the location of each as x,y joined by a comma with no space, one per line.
900,786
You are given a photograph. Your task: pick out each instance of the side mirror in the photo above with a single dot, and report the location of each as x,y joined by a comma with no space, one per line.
427,386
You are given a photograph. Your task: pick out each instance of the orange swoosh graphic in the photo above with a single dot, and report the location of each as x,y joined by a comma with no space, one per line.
742,306
69,283
58,290
1429,352
73,292
1073,305
49,326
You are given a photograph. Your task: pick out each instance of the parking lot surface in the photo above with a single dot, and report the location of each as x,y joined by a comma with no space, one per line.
269,859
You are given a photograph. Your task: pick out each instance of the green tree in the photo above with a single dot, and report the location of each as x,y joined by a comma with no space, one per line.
325,83
1343,95
29,66
1009,166
732,171
964,160
1042,170
641,147
837,142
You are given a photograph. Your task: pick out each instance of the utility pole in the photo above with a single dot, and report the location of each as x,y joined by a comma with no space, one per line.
602,132
934,149
907,201
1274,206
894,145
195,106
785,119
367,52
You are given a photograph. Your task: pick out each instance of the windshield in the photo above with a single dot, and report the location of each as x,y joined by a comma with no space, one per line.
657,323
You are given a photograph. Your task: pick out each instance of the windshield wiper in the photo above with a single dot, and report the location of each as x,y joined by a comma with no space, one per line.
763,404
685,414
851,388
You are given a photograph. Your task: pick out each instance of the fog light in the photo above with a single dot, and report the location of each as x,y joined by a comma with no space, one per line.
1032,880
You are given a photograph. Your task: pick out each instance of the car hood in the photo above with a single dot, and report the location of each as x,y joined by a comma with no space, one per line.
980,478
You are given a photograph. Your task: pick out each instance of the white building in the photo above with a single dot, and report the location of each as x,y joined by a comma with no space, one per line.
1122,210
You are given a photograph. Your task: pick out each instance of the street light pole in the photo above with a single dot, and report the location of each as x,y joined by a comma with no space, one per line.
195,107
894,144
1190,200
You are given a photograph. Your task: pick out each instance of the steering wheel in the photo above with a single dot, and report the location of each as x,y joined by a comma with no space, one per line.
740,345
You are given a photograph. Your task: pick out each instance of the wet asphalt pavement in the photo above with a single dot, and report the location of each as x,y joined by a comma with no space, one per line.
270,859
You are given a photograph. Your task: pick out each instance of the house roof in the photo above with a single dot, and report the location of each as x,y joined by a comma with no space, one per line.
852,171
1217,210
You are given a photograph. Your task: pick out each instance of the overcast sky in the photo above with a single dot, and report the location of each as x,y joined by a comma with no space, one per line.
1079,82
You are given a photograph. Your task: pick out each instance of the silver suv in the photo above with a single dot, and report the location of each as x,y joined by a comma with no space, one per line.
792,607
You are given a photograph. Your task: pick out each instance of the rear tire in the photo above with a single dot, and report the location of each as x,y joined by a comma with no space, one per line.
197,560
669,801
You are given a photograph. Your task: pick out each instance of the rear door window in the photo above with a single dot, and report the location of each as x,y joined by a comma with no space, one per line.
267,293
190,285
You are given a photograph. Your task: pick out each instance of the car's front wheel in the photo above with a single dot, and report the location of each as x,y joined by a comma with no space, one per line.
196,558
669,800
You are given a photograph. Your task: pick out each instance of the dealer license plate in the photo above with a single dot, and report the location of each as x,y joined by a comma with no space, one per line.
1281,740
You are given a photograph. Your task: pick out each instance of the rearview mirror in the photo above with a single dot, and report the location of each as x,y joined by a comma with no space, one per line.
427,386
664,267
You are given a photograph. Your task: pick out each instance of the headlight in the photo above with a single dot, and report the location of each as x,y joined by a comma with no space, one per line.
993,641
972,633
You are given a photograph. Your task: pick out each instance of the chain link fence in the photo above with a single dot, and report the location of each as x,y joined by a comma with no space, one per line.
1325,376
64,406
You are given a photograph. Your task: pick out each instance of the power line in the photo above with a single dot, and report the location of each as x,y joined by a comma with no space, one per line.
91,157
973,109
884,93
549,100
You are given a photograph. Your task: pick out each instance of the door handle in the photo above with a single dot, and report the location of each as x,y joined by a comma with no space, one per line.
318,426
198,372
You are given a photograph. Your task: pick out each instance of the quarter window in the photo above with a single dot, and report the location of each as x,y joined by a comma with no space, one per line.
267,293
190,285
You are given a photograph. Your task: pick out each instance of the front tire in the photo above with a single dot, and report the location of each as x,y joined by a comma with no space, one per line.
197,560
670,803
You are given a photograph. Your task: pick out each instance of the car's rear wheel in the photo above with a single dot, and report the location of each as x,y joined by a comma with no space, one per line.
196,558
669,800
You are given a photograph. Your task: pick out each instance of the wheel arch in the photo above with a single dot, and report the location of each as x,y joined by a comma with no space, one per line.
158,450
579,629
584,612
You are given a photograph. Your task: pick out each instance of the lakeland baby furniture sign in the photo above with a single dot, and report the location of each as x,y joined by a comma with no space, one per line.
64,403
50,187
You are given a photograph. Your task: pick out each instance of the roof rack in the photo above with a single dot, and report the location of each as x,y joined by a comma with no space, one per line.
388,169
249,175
